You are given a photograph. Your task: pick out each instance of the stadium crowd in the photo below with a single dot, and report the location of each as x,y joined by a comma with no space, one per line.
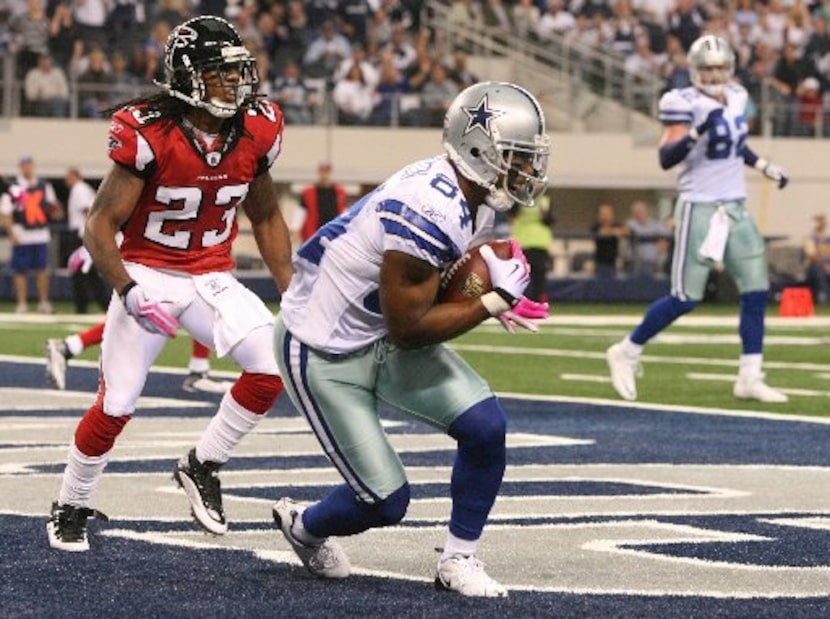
371,62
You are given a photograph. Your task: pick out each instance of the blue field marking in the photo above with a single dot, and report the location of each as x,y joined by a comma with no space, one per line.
696,497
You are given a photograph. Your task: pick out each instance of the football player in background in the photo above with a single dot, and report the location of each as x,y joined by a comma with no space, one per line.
183,160
705,134
360,325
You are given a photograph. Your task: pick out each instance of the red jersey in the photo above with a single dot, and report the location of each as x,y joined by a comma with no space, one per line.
185,219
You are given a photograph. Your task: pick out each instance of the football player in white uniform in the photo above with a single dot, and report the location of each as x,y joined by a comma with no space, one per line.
183,160
359,325
705,135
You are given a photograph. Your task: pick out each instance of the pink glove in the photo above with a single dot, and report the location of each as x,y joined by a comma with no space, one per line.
79,260
522,314
149,313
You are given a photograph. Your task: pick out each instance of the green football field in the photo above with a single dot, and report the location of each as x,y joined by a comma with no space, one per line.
692,364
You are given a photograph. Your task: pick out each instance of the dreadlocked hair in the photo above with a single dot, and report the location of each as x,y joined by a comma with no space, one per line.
168,110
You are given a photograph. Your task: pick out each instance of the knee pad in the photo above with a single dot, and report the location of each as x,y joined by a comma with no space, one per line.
484,426
392,509
682,307
97,431
256,392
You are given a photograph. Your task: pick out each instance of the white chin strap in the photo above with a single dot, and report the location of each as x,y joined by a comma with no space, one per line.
219,108
713,90
499,200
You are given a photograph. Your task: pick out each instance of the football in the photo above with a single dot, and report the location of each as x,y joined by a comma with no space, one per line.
468,277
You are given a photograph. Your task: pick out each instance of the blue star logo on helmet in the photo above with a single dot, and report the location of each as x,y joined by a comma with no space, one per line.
481,116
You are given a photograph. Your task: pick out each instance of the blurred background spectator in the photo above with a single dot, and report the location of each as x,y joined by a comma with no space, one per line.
607,233
26,209
319,204
648,241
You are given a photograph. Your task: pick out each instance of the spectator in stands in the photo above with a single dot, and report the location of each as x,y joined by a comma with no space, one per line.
436,95
403,51
525,15
353,98
46,90
648,240
354,16
63,33
29,36
292,93
26,209
94,84
626,30
607,234
388,93
125,23
358,57
556,21
686,22
496,18
808,114
640,67
87,284
788,72
153,51
817,255
319,204
123,84
459,70
676,67
326,52
91,18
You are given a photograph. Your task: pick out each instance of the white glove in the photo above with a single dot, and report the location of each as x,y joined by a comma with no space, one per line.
149,313
773,172
508,277
79,260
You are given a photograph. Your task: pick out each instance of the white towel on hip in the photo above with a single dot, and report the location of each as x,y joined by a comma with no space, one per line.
714,245
237,309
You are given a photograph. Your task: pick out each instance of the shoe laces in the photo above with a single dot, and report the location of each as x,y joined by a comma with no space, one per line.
206,476
71,520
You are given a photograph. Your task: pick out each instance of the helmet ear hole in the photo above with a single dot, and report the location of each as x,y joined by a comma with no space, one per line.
475,152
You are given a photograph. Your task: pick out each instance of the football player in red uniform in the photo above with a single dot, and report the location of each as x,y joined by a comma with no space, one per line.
183,160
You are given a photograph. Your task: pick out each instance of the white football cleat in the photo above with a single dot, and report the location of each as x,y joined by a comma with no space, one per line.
56,355
624,371
754,388
326,560
466,575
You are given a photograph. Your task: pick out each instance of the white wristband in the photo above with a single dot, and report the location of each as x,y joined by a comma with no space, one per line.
494,303
761,164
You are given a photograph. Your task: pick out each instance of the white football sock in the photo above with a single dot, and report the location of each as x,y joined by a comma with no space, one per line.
231,423
80,478
630,348
198,364
457,546
749,366
74,345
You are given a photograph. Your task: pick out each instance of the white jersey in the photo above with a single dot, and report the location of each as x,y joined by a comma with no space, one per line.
713,169
333,302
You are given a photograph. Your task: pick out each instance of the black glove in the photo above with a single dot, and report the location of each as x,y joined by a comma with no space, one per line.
707,124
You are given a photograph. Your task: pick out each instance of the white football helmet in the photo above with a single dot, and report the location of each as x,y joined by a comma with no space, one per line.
494,132
711,64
